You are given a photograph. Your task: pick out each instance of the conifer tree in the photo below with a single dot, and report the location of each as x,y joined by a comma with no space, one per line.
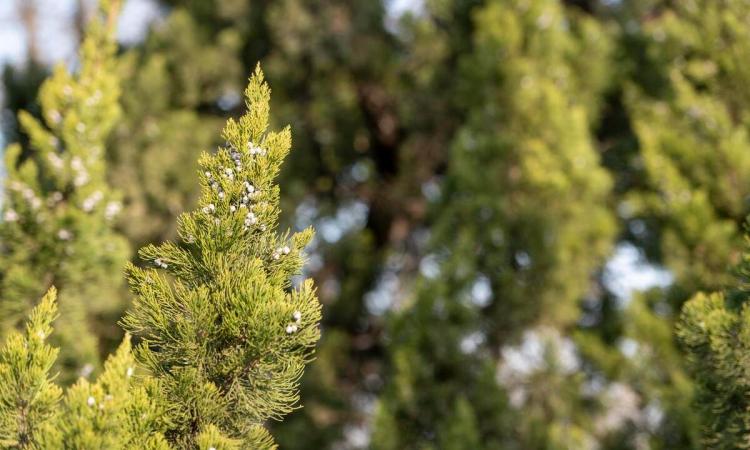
119,411
336,54
520,228
58,210
713,328
223,330
687,210
28,395
683,193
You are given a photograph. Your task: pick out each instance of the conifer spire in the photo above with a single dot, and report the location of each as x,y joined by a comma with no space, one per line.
223,329
28,395
58,210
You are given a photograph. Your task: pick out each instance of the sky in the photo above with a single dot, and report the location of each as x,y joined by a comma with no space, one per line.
56,40
56,16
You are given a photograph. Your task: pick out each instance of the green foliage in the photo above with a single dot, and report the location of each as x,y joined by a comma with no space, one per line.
21,86
28,396
172,83
714,331
430,374
693,137
226,334
694,157
522,225
477,122
684,193
523,167
462,430
119,411
58,209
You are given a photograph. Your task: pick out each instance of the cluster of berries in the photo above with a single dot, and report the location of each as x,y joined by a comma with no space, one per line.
292,327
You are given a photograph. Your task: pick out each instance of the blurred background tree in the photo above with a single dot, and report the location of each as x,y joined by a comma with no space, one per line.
58,210
521,224
675,137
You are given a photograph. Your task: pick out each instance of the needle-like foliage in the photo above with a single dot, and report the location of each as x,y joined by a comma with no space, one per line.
120,411
714,330
223,328
27,393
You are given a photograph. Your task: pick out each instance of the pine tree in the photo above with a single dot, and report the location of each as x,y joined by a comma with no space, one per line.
688,205
226,334
435,391
58,211
20,91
